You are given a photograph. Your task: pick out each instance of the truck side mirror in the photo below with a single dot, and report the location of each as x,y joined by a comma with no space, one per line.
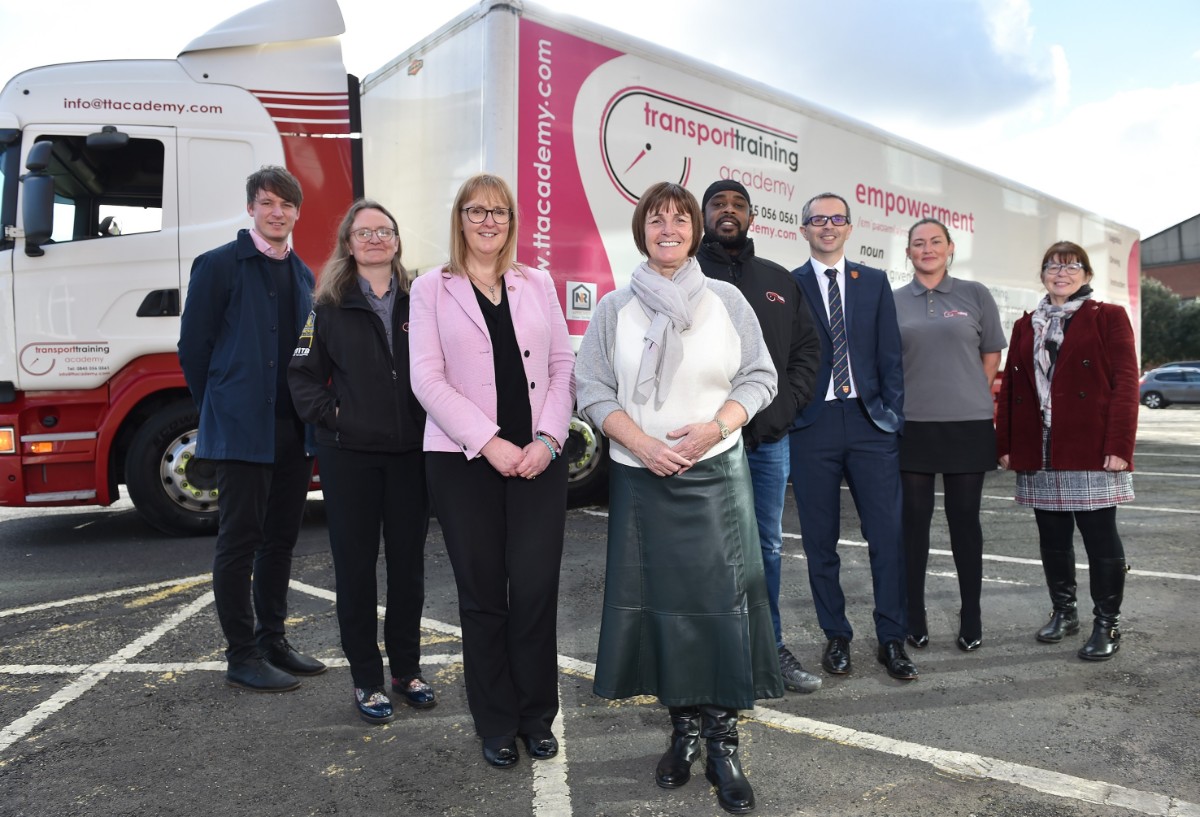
38,199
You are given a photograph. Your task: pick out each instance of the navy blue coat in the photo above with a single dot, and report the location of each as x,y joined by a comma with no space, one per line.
876,357
229,347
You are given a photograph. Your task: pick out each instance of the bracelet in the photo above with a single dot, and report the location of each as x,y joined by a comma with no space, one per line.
553,453
550,437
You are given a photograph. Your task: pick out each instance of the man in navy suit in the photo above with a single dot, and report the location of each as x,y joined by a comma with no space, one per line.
850,430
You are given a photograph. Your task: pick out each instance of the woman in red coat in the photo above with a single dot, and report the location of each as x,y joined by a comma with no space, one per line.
1066,424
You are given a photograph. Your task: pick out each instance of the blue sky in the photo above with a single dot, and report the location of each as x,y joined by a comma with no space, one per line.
1097,103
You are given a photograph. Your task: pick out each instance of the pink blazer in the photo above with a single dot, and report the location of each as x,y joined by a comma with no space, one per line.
454,375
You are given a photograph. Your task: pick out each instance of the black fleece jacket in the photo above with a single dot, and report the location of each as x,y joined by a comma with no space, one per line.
346,383
787,327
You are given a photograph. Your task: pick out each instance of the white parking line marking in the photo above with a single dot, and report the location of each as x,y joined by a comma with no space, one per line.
978,766
91,676
551,791
111,594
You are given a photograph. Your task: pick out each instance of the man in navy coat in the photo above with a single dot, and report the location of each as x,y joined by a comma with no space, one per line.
246,303
850,430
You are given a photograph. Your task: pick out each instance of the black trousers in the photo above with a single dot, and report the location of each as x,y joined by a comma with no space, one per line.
364,493
964,493
504,537
259,515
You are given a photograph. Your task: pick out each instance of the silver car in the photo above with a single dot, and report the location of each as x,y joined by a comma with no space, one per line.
1162,387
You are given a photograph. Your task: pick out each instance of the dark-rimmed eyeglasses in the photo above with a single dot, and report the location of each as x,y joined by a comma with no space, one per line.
477,215
821,221
383,234
1070,269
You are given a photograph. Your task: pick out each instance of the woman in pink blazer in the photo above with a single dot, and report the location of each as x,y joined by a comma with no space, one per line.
493,366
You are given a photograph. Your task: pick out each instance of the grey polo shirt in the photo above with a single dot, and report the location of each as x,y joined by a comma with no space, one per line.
944,331
381,305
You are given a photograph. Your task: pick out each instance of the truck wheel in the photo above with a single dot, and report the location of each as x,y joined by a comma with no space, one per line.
587,471
1154,400
172,489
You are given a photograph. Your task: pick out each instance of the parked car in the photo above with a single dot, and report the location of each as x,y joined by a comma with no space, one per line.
1164,386
1180,364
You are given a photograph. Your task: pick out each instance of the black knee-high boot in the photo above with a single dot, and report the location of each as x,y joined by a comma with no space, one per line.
675,767
1059,566
723,767
1108,589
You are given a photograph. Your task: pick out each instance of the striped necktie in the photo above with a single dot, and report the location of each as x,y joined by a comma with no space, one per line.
837,328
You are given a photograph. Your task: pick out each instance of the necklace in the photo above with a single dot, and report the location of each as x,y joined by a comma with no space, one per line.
491,288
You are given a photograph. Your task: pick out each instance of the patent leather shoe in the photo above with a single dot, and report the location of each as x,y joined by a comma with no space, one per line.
500,752
417,693
969,644
541,746
373,704
836,659
258,675
282,655
918,641
895,661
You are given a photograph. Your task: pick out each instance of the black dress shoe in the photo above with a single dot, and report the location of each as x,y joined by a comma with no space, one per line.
969,645
417,693
282,655
500,752
540,747
257,675
373,704
918,641
894,659
836,660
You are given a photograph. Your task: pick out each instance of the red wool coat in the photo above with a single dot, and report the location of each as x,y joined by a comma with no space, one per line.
1094,390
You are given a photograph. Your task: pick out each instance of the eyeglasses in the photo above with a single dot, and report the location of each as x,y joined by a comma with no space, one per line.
821,221
1070,269
477,215
383,234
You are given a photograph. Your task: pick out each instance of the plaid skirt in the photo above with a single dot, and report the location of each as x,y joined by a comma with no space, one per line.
1050,490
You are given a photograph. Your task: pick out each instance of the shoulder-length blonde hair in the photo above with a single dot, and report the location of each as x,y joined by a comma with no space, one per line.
340,270
485,186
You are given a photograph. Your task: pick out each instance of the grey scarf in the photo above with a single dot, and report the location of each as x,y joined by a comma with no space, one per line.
1049,322
669,303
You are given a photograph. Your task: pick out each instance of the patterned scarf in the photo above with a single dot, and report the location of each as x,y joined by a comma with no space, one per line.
669,303
1049,323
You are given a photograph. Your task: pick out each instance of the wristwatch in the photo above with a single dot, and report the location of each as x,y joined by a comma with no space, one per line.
725,432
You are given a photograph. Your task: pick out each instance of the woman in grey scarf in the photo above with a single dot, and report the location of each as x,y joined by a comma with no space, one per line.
1066,423
671,368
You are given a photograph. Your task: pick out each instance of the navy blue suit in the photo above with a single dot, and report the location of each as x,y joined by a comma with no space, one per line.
857,440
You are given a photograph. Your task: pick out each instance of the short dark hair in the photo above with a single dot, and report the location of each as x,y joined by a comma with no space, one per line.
806,211
277,180
656,199
1066,252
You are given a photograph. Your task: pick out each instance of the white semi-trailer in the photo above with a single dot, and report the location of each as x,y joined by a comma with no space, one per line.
115,175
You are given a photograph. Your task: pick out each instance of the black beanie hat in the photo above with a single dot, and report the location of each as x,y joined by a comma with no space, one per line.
720,186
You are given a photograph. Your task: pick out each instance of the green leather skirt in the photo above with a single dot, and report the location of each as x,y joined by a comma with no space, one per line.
686,616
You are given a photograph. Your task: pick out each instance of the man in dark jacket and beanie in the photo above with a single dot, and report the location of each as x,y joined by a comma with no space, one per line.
727,254
246,302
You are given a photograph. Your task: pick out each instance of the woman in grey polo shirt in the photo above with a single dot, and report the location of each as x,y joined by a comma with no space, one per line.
951,334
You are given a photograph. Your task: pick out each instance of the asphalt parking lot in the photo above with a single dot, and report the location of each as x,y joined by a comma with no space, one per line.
112,699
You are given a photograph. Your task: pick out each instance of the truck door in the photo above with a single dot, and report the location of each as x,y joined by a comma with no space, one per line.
106,289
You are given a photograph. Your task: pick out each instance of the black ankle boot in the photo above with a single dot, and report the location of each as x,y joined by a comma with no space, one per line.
723,767
675,767
1059,567
1108,590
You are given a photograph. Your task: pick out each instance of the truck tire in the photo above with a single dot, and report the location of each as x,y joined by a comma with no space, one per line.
172,489
587,464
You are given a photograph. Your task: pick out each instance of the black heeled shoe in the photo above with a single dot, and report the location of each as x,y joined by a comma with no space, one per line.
540,747
918,641
500,752
969,646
